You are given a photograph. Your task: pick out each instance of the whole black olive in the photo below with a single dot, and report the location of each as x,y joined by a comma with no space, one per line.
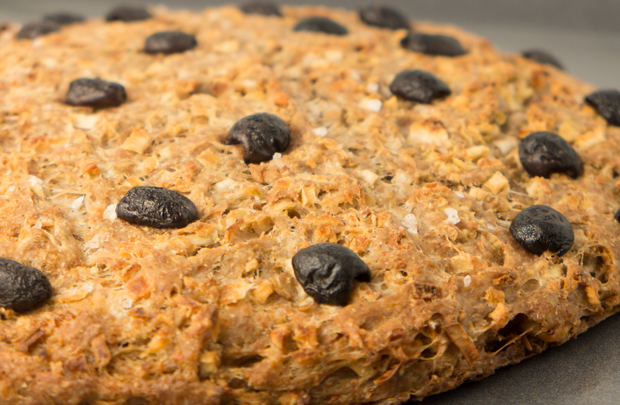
156,207
321,24
95,93
22,288
539,228
420,86
543,153
327,271
262,135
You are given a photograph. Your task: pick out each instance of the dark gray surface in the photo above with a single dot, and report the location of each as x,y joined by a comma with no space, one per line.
585,36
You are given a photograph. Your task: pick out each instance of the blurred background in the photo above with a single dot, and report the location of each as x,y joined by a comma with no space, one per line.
585,36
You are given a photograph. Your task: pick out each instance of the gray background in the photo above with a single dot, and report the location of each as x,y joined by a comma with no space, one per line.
585,36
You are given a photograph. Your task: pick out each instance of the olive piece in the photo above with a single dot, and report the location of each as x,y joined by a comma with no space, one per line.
384,17
543,153
169,42
64,18
36,29
156,207
262,135
617,216
539,228
128,14
22,288
266,8
442,45
326,272
540,56
420,86
95,93
607,103
321,24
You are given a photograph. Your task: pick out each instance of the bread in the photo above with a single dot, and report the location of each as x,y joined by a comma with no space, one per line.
212,312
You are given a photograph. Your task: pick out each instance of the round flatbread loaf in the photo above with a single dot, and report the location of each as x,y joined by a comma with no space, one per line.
422,189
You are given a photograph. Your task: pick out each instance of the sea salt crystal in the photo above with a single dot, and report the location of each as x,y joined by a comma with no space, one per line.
459,194
88,287
368,176
320,131
277,160
373,87
373,105
467,281
38,225
453,216
110,212
93,243
411,223
77,203
86,122
249,83
126,303
225,185
33,181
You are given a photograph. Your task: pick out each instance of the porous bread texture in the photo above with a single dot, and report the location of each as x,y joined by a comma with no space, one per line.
212,313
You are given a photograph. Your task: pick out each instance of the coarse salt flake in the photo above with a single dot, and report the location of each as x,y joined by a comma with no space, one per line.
411,223
88,287
373,87
126,303
93,243
33,181
467,281
320,131
85,122
110,212
77,203
249,83
368,176
459,194
38,225
225,185
453,216
373,105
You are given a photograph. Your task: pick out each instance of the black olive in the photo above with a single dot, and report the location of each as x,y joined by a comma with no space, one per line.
262,135
22,288
95,93
156,207
543,153
64,18
543,57
607,103
420,86
326,272
128,14
433,44
384,17
261,7
169,42
617,216
36,29
539,228
321,24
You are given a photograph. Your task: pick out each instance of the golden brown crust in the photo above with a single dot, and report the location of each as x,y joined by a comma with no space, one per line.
212,313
